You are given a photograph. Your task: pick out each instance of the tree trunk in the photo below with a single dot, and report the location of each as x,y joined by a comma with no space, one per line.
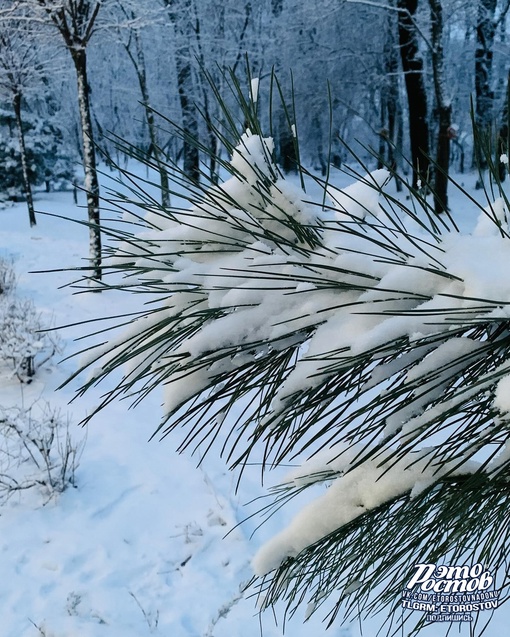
383,131
191,159
503,136
390,104
484,96
442,159
443,108
212,138
412,66
395,132
181,19
16,102
89,161
287,146
141,74
317,133
394,108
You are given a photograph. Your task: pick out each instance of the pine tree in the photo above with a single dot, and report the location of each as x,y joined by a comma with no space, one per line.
348,332
48,162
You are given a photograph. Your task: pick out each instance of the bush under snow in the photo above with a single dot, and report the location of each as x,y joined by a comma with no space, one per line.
36,452
25,342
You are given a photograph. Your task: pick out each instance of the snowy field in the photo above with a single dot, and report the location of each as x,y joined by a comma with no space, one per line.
139,546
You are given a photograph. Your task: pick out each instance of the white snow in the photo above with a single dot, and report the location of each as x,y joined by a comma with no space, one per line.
137,548
250,158
355,293
502,395
349,496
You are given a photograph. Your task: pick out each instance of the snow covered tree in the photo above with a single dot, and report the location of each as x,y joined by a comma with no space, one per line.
347,333
412,65
15,172
131,38
180,15
25,340
75,21
47,161
20,71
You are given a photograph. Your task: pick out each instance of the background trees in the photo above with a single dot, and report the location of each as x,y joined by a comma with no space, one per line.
401,77
34,150
75,21
20,71
381,83
398,83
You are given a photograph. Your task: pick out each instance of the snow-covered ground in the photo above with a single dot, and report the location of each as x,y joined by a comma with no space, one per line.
139,546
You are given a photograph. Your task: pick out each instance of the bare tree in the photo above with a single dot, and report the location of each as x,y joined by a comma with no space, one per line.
20,69
133,45
443,107
75,20
181,13
412,65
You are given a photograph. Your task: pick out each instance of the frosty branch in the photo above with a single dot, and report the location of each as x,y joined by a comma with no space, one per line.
348,332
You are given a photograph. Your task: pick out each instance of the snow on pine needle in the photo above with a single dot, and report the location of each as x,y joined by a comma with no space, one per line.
362,336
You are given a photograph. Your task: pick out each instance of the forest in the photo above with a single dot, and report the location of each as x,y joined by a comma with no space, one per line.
404,80
272,236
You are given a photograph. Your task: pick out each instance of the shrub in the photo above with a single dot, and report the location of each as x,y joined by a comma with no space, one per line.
7,277
36,451
25,345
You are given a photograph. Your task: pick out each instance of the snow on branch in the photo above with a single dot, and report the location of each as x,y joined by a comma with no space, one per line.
348,330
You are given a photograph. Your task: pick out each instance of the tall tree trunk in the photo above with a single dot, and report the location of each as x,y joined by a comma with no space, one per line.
89,161
318,136
395,131
212,138
16,102
484,96
443,107
391,112
412,66
181,17
156,151
504,135
441,172
383,131
138,62
191,159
